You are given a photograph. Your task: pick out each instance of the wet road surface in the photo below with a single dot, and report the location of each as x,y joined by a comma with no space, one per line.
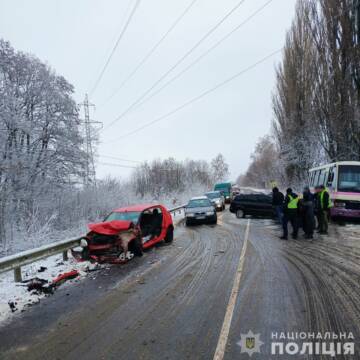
172,302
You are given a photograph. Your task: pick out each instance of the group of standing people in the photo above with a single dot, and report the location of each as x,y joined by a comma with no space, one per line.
301,211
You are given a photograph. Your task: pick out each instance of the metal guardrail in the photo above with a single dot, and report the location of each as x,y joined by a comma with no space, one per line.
16,261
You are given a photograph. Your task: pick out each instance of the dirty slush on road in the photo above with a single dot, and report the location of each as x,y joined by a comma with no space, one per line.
171,304
172,309
317,283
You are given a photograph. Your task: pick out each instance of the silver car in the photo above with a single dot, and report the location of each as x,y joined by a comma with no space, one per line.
200,209
217,199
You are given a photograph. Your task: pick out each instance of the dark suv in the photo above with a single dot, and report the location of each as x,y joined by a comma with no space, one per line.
252,204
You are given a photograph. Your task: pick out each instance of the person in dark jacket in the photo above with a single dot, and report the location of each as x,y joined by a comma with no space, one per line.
278,203
310,195
324,204
317,206
307,212
290,214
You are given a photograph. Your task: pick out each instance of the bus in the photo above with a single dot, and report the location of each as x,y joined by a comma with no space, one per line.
343,182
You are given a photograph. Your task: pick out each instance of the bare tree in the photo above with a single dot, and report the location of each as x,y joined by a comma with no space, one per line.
316,99
265,167
219,167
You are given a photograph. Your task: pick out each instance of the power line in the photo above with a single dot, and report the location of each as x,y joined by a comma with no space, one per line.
115,46
197,98
118,165
133,167
204,54
120,159
148,55
222,20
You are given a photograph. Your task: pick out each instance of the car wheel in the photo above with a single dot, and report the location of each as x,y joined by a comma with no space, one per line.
169,235
136,246
187,222
240,213
223,207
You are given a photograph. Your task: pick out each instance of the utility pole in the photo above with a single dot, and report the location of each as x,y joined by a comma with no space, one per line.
90,175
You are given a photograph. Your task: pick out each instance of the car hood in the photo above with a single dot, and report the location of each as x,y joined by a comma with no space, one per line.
113,227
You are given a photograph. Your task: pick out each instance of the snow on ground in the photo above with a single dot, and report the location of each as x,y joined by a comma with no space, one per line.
17,293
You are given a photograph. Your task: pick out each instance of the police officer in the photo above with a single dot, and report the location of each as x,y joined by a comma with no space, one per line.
290,214
324,205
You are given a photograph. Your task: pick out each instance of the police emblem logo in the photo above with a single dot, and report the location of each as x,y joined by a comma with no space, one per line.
250,343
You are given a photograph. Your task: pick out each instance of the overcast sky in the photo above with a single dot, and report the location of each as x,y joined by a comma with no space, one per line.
75,37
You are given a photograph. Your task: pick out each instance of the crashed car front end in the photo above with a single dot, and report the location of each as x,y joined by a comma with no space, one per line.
111,242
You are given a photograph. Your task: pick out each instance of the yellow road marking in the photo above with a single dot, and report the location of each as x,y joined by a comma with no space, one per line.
224,334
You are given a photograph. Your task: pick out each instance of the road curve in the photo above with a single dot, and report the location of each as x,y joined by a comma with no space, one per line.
171,303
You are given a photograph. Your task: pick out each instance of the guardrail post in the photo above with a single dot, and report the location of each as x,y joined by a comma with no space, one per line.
65,255
17,274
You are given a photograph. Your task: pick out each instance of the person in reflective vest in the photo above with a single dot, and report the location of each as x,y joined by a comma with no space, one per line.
290,214
324,205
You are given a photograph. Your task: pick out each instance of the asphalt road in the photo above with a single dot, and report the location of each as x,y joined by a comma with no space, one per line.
197,296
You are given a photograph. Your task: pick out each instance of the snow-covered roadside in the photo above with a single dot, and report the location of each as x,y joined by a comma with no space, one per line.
18,294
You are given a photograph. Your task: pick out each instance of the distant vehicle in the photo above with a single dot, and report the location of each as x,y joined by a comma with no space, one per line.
225,188
235,190
343,181
200,209
252,204
126,232
217,199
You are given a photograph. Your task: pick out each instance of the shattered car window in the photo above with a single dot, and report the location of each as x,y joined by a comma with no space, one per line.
129,216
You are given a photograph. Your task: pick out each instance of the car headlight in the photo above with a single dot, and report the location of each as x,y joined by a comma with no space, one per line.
83,243
209,213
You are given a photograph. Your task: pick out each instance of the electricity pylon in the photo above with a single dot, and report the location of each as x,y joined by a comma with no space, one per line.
90,174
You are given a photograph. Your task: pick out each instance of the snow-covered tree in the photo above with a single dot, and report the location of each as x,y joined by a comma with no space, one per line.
316,101
220,169
40,139
265,167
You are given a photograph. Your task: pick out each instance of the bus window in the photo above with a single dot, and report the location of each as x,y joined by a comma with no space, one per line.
311,177
349,178
315,173
322,177
314,178
326,177
330,180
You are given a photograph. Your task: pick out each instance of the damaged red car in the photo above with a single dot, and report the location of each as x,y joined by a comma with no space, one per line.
125,233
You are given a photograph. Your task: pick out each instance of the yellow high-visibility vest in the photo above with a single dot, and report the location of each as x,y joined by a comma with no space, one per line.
293,203
330,204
